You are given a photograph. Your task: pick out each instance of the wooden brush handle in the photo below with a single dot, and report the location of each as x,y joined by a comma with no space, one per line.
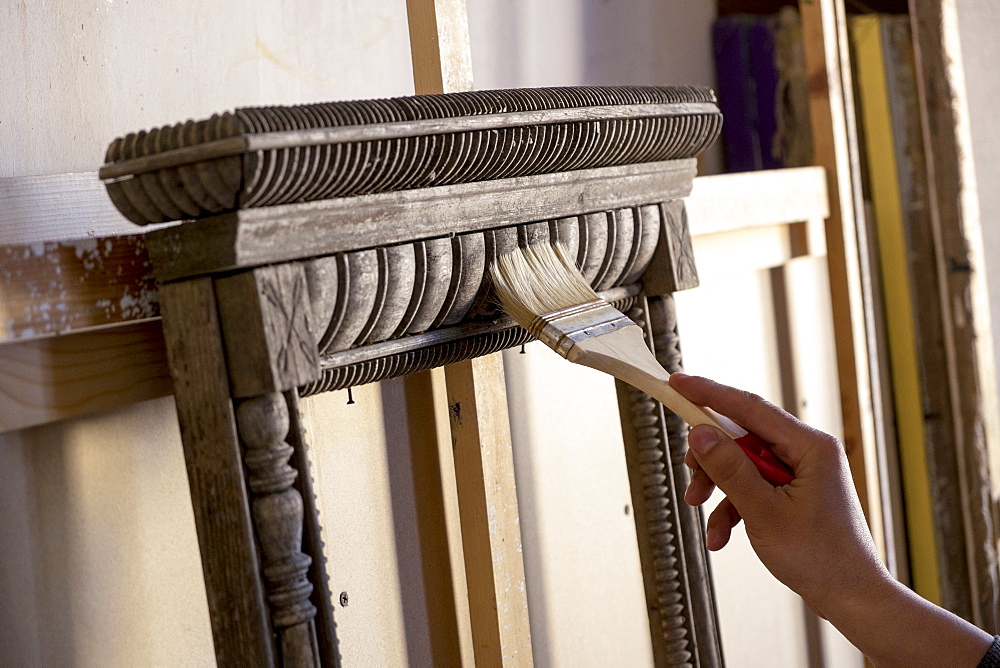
623,354
757,449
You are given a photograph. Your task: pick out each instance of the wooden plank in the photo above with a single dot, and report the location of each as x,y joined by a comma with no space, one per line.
240,618
484,471
118,377
55,287
44,380
56,207
737,201
439,46
967,549
480,449
252,237
831,111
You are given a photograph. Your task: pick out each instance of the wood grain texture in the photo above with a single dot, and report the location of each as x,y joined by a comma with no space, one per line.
487,496
267,324
254,237
672,267
57,207
439,46
967,536
57,287
240,617
831,112
58,377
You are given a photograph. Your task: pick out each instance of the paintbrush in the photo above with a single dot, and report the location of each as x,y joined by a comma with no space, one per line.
541,288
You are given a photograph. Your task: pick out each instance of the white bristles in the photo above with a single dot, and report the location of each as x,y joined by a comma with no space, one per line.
537,280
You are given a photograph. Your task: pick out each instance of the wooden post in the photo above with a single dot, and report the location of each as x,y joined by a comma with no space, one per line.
240,618
831,110
491,533
487,499
676,574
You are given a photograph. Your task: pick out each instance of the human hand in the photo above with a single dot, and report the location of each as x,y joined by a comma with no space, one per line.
810,534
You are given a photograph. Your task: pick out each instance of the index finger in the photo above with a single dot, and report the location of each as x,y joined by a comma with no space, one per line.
749,410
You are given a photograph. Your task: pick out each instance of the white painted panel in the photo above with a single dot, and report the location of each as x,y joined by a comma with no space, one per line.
361,455
581,559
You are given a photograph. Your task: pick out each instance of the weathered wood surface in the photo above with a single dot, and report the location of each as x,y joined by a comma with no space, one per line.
662,321
957,376
51,288
122,379
266,156
267,325
240,617
654,504
228,147
253,237
262,423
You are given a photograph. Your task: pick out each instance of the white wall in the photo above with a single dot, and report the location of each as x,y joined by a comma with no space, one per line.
98,553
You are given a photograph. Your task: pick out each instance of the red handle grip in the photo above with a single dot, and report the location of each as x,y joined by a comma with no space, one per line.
771,468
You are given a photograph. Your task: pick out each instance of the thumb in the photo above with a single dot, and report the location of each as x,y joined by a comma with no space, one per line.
728,467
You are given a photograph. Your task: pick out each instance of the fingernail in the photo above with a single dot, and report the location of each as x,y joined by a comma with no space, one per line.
678,374
702,439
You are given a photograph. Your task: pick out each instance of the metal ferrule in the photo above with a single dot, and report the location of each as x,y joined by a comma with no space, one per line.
561,330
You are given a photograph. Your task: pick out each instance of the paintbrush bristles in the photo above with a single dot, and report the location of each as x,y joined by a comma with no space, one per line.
537,280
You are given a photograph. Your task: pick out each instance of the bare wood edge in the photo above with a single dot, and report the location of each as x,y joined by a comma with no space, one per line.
491,534
835,148
968,575
50,379
253,237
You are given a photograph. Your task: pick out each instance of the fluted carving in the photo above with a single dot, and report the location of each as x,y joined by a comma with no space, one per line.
277,510
374,295
338,149
662,320
655,501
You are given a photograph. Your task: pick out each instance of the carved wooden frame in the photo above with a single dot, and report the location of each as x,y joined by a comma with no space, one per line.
264,305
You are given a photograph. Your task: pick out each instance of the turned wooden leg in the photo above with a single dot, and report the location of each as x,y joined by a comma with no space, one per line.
666,345
675,569
240,620
276,507
244,341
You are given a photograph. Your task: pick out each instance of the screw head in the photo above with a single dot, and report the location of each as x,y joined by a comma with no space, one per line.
343,599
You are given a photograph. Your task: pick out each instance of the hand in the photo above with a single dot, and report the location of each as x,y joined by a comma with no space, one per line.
810,534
